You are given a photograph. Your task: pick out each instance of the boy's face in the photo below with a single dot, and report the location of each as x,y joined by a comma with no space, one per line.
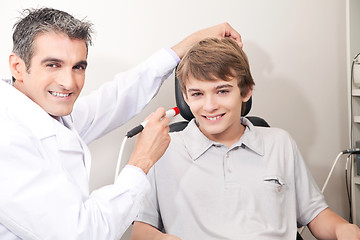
57,73
217,107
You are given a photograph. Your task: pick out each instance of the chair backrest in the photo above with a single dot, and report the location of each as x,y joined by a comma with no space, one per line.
186,113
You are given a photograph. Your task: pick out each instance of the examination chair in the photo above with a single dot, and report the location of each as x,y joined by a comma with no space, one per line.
187,115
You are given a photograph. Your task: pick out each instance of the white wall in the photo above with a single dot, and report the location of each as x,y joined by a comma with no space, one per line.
297,53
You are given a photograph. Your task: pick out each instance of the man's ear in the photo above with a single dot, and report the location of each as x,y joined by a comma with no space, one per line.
17,67
248,95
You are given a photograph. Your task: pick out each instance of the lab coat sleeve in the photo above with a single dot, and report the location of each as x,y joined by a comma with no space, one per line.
39,200
150,212
119,100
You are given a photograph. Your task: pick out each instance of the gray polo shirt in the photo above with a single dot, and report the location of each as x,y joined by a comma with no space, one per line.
258,189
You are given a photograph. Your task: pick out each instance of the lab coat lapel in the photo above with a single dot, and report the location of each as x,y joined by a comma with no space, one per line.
77,141
58,141
67,139
43,125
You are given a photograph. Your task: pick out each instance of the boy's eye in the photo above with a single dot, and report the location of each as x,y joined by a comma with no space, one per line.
223,91
196,94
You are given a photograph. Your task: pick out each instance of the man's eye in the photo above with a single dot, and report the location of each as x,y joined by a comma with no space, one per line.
52,65
80,67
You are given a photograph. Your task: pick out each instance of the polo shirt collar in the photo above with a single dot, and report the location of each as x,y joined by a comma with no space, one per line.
197,143
251,138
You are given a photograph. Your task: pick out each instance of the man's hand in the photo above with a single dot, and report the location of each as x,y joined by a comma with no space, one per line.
218,31
152,142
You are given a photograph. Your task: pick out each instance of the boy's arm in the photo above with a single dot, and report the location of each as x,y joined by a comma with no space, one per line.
143,231
329,225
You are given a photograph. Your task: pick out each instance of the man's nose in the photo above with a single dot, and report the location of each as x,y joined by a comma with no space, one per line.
67,79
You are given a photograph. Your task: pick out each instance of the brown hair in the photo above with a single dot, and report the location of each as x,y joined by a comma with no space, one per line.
213,59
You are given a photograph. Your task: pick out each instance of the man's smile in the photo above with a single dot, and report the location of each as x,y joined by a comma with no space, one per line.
57,94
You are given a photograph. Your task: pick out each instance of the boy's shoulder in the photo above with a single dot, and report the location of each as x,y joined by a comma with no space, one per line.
275,137
272,131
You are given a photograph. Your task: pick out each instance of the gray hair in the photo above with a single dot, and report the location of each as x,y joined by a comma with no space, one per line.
44,20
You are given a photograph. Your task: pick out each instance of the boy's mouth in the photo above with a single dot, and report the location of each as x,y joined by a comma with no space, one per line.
215,117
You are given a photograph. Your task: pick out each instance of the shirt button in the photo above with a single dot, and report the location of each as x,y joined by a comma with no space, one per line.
229,170
227,155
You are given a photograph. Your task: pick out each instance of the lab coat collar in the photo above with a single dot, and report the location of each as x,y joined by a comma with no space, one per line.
19,106
42,125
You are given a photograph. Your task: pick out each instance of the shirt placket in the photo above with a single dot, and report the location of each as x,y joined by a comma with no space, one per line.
229,174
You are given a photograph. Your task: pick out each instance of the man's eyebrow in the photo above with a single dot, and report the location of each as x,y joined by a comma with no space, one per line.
83,62
52,60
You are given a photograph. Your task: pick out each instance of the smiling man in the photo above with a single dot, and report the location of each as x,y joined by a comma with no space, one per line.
222,177
56,73
45,128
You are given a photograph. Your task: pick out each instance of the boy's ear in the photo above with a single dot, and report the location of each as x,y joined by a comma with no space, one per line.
17,67
248,95
185,97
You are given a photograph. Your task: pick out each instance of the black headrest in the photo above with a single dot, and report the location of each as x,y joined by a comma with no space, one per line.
185,110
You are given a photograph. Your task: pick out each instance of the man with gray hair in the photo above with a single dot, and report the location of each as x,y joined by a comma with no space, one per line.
45,129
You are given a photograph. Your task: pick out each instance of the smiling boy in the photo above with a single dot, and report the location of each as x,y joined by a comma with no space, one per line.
222,177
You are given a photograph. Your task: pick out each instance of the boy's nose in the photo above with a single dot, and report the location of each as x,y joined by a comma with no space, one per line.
210,104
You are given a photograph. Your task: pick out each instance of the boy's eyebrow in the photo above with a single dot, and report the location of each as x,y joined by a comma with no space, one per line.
224,86
193,90
216,88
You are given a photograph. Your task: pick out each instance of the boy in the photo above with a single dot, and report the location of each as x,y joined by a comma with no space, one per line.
223,178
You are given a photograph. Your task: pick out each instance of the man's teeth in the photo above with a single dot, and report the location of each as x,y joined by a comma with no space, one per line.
213,118
59,94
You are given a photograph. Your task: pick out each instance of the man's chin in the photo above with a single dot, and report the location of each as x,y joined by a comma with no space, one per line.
57,115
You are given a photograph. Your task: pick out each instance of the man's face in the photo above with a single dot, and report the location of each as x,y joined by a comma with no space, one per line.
217,107
57,73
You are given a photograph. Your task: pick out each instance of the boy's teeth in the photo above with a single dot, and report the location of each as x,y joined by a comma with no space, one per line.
213,118
59,94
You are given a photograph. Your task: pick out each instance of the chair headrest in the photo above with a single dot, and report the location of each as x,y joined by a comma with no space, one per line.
185,111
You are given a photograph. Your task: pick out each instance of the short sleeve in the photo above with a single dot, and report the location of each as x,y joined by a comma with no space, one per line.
310,200
149,212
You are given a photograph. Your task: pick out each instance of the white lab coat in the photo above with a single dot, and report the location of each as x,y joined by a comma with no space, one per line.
45,164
